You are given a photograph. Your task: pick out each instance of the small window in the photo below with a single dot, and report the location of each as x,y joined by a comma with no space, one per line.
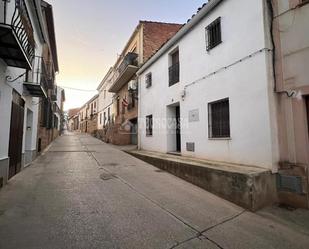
118,106
213,34
219,119
174,68
148,80
100,118
149,125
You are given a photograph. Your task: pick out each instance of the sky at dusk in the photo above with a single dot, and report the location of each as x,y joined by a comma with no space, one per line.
91,33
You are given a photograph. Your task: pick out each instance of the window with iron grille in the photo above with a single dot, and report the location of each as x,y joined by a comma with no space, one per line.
174,68
213,34
219,119
148,80
149,125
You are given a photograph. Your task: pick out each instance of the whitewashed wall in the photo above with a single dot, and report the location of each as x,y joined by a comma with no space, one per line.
105,100
248,85
6,89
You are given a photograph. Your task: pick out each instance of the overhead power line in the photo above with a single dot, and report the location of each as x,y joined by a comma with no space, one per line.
77,89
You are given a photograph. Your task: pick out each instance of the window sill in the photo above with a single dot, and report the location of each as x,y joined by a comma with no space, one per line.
219,138
170,85
149,135
213,47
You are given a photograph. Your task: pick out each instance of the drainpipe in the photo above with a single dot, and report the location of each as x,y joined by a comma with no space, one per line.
271,14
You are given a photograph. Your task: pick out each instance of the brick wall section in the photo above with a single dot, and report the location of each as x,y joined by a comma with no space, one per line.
155,34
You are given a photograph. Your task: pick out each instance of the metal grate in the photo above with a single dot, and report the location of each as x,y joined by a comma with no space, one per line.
173,74
213,34
174,68
219,119
148,80
290,183
190,147
149,125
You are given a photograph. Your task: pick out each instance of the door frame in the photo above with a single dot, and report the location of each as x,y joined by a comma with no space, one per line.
178,129
16,134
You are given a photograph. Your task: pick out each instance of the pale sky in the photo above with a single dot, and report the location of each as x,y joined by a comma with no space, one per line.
90,34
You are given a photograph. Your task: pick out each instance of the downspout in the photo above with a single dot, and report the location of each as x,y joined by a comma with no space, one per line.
271,14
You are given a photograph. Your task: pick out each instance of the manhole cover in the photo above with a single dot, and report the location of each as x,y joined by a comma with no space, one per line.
107,176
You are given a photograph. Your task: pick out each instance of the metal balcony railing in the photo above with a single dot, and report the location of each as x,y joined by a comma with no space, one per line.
37,82
173,74
130,59
125,71
16,34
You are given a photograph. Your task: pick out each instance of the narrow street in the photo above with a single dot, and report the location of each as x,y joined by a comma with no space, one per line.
82,193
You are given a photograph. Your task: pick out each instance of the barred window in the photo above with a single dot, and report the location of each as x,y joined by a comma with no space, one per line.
219,119
149,125
213,34
174,68
148,80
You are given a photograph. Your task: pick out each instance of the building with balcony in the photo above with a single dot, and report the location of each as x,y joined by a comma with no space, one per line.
26,32
207,95
88,116
239,95
48,108
147,38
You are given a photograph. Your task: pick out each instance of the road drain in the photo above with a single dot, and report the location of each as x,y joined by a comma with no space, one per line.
110,164
107,176
159,171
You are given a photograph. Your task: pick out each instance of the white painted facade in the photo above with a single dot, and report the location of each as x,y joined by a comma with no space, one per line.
59,104
31,108
248,85
105,99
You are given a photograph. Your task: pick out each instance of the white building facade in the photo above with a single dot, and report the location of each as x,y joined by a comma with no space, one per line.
20,92
105,100
208,92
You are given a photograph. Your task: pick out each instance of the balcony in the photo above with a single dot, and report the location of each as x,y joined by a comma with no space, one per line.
173,74
16,34
36,84
125,71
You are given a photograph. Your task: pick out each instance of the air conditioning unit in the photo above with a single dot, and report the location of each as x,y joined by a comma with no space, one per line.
132,85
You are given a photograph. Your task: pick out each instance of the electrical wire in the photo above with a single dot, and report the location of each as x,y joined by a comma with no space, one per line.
78,89
228,66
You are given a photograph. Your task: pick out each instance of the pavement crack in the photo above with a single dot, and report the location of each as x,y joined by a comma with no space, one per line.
147,198
198,235
224,221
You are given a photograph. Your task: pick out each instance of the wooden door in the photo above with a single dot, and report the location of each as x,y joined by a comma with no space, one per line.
16,135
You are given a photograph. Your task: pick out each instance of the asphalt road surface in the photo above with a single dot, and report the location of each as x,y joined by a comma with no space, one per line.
82,193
